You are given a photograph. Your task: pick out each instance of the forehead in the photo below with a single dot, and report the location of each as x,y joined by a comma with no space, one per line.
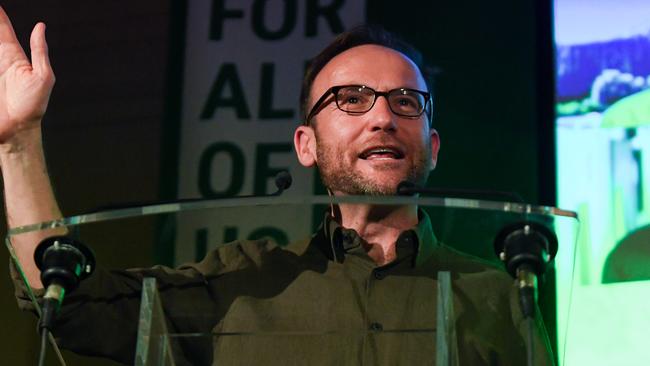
378,67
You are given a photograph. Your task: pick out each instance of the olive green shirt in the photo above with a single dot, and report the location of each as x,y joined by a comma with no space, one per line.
321,301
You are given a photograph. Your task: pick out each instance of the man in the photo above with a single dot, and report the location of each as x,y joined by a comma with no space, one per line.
352,289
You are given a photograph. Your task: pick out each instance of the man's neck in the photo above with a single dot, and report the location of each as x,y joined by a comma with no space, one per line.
379,226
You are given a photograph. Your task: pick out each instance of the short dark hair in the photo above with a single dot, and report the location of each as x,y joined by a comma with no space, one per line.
357,36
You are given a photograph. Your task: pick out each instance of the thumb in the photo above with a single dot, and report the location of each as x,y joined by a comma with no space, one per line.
38,46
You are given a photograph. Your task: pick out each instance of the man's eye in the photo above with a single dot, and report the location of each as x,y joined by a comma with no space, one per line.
353,99
406,103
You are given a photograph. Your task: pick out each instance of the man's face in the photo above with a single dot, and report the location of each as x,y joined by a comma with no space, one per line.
370,153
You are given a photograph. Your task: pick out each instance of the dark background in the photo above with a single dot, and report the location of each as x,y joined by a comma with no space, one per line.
116,65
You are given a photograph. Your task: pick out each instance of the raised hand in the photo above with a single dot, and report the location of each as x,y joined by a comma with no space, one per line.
24,92
24,86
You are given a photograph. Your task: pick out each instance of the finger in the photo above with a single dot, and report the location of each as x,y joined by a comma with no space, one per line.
10,49
38,45
7,34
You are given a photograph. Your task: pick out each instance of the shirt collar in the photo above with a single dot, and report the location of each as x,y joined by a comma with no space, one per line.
416,244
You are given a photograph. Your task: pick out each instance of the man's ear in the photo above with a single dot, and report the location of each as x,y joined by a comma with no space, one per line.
304,141
435,147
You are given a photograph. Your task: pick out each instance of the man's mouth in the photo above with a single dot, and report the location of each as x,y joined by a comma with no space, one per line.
381,152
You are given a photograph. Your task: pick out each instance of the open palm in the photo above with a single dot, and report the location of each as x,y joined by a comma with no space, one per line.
24,86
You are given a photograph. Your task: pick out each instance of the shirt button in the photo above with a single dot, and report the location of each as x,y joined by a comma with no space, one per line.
380,275
376,327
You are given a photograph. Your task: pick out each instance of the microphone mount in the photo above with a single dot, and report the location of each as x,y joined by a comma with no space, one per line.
63,262
526,248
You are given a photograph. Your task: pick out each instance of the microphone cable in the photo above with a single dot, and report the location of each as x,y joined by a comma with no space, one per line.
530,350
41,357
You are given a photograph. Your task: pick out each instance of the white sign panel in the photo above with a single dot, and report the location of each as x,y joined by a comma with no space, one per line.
244,62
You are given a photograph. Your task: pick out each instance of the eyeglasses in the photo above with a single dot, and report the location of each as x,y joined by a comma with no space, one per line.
359,99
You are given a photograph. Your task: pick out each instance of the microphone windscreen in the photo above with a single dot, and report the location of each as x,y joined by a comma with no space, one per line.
283,180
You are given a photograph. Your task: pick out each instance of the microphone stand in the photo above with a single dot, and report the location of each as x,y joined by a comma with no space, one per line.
526,248
63,263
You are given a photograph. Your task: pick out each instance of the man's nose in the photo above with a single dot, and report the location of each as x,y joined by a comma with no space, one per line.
381,117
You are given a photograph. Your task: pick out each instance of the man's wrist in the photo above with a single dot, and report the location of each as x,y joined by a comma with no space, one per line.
23,141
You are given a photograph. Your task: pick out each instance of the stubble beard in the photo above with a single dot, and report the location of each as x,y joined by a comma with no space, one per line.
338,176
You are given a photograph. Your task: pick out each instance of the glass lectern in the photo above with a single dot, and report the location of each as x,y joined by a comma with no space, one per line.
271,280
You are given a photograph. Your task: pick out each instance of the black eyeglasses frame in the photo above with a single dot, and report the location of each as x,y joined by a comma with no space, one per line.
335,89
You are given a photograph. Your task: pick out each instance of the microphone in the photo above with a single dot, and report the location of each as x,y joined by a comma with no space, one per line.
283,181
408,188
63,262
